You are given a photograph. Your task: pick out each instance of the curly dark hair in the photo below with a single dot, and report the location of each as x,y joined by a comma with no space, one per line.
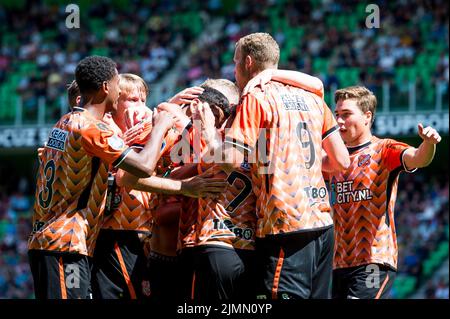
92,71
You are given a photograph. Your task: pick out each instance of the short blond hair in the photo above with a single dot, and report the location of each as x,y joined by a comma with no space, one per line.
262,48
226,87
129,81
365,99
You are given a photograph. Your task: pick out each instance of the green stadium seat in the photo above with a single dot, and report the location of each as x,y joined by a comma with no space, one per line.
320,65
3,225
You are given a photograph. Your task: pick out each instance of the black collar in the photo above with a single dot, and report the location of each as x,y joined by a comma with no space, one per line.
353,149
78,109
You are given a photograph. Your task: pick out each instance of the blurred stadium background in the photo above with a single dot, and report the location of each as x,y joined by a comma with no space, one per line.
175,44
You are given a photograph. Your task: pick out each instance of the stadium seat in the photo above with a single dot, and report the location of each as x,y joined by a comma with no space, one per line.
404,285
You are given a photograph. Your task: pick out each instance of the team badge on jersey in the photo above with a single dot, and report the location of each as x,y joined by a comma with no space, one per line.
363,160
116,142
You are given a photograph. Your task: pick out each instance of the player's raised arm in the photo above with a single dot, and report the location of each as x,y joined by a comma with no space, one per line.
142,164
186,96
337,157
294,78
424,154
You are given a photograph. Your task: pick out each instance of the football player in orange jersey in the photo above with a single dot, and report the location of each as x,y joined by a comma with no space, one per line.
71,183
225,227
282,129
363,197
119,263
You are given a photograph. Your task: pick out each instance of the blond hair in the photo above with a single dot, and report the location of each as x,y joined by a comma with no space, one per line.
226,87
262,48
128,82
365,99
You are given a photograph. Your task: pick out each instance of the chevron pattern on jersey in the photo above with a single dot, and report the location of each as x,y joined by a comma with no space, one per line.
64,227
235,226
294,123
363,234
133,212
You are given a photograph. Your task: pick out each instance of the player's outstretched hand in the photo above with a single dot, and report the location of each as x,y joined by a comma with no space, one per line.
187,95
428,134
203,186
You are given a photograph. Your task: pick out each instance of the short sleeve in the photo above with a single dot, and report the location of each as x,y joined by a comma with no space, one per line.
329,122
244,131
393,155
99,140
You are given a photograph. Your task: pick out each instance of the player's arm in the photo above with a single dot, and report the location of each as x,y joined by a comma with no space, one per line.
198,186
240,138
337,157
185,171
294,78
424,154
186,96
142,164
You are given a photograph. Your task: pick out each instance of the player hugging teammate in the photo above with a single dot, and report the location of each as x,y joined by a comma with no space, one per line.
132,204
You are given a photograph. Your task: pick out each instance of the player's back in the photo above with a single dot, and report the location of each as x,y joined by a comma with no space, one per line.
292,194
70,192
230,218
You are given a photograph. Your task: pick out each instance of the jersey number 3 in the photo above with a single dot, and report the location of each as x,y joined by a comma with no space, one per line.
49,173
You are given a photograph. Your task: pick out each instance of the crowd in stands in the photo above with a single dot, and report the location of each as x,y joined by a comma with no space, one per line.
421,221
327,38
38,53
437,289
330,39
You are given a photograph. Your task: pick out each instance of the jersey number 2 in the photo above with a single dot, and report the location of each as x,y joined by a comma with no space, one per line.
244,192
49,177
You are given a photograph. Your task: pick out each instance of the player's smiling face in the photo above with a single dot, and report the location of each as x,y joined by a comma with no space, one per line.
354,125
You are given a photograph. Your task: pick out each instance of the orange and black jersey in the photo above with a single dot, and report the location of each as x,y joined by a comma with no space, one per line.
231,218
363,199
282,128
127,209
72,181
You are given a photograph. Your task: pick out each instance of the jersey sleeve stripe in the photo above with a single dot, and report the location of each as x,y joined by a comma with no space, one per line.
241,145
404,165
122,157
330,131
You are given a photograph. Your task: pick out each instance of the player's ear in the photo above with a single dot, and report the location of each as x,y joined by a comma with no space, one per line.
369,116
105,88
249,62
